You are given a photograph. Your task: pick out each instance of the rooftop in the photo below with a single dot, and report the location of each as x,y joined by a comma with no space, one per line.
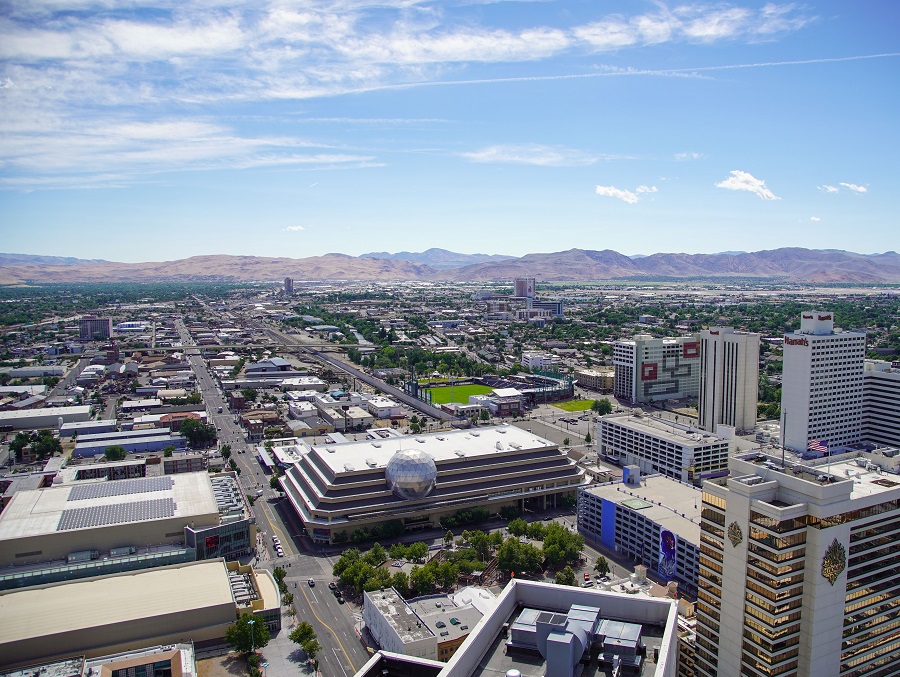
89,505
106,600
446,445
673,505
663,429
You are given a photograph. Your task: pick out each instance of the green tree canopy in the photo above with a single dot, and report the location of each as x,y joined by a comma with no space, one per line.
115,452
247,633
602,407
565,577
197,433
601,566
302,633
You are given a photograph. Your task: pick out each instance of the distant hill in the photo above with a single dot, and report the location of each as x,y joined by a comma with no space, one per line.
29,259
437,258
793,264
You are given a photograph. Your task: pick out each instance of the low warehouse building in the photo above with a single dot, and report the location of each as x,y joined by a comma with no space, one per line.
194,602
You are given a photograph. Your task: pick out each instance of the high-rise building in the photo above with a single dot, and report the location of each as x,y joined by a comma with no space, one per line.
288,285
649,369
821,393
798,570
524,287
881,403
92,328
729,372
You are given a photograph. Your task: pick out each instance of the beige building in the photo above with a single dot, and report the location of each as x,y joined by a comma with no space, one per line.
49,524
729,378
596,379
192,602
798,572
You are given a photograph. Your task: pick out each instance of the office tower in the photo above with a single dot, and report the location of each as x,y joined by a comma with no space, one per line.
799,571
881,403
288,285
729,375
821,393
92,328
524,287
650,369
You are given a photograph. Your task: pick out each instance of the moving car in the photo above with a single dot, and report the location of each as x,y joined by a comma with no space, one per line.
311,583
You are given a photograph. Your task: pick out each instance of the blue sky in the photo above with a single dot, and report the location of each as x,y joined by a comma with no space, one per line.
133,132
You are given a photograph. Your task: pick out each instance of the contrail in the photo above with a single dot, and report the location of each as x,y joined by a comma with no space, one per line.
609,74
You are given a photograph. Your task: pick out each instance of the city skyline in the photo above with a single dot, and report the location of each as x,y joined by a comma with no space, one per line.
133,133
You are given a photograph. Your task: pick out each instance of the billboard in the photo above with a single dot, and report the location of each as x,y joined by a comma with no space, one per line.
668,553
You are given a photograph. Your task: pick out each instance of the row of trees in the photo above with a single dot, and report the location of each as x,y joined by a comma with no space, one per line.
42,444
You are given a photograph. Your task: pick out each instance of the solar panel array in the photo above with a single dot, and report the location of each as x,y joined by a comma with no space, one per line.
119,513
138,485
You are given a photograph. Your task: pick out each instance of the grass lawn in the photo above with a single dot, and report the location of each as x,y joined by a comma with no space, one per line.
457,393
574,405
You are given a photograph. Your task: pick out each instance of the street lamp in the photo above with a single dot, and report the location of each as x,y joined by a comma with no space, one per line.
252,641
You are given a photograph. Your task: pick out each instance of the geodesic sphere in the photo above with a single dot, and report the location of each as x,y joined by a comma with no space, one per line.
411,474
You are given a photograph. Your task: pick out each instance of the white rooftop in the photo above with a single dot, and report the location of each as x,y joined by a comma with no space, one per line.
673,505
445,445
664,429
44,511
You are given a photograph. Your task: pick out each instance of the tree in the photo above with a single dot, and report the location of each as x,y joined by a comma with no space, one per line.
275,484
20,441
44,444
484,415
312,648
247,634
249,394
602,407
302,633
115,452
566,442
417,551
587,438
197,433
517,527
376,555
225,451
565,577
601,566
168,451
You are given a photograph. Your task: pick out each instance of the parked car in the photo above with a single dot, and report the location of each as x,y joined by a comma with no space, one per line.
311,583
340,599
332,585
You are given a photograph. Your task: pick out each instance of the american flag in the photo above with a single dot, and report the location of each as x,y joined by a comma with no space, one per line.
818,446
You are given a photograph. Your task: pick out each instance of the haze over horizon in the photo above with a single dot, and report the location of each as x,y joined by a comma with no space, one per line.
133,132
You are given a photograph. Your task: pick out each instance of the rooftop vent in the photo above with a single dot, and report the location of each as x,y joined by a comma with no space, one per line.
420,440
349,467
499,446
377,445
502,431
371,462
330,450
459,453
441,438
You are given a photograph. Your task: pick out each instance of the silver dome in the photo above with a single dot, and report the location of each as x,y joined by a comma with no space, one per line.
411,474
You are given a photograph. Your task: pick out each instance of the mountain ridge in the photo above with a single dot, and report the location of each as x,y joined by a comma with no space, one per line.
789,264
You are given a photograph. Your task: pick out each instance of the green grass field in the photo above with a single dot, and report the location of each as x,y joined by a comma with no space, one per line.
574,405
457,394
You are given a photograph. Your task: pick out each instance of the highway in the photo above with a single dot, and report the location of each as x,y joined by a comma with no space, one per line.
342,651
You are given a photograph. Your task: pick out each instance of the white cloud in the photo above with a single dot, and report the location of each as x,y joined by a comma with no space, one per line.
740,180
295,228
829,189
645,189
687,156
73,72
619,193
815,219
855,188
532,154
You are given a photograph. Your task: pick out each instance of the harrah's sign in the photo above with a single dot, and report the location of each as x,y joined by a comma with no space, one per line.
788,341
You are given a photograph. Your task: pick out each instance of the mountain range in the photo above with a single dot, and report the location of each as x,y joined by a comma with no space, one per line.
793,264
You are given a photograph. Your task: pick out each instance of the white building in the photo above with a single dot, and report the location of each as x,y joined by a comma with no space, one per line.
729,375
660,446
799,570
881,403
821,392
650,369
383,407
533,359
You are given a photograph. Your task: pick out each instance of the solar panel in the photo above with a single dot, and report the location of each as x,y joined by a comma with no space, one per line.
137,485
120,513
